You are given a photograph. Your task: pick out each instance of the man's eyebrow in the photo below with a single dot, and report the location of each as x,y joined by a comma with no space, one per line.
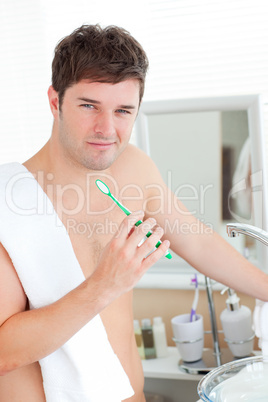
127,107
87,100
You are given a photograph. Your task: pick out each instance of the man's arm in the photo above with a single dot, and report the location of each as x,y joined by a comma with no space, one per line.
204,249
28,336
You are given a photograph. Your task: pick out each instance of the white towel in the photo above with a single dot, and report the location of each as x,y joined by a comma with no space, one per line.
85,369
242,190
260,324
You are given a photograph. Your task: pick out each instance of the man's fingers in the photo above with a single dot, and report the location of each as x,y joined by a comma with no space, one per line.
149,241
154,256
140,240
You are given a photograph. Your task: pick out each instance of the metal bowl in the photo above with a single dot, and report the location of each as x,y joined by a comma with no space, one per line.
239,380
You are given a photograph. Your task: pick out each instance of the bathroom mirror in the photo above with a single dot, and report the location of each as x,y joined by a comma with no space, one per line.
211,152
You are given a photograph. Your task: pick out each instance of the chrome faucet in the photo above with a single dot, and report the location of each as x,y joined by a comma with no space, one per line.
233,229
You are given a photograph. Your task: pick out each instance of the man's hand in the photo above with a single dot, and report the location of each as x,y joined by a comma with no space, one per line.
123,261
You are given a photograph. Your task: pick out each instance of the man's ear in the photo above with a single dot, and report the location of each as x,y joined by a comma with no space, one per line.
53,98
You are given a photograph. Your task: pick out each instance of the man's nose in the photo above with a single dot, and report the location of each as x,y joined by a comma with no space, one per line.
104,124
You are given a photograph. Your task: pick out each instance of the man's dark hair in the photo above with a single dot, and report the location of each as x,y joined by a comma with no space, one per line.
98,54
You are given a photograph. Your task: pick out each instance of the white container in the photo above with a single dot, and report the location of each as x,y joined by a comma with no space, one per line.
188,336
239,380
160,339
237,326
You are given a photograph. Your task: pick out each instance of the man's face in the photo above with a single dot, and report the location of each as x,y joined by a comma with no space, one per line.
96,120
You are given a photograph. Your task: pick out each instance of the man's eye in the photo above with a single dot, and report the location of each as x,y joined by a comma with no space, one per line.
123,111
87,106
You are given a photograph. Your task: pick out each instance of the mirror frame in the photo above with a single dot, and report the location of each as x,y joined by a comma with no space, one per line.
165,275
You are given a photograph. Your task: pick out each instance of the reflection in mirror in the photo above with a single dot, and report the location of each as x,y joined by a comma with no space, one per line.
206,151
199,160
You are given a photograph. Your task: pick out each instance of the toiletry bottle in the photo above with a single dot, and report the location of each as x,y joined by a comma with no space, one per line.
160,340
148,339
237,326
138,337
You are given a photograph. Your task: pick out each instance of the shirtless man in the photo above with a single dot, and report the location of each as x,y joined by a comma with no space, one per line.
94,104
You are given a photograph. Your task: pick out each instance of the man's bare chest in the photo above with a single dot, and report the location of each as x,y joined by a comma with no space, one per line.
91,219
89,234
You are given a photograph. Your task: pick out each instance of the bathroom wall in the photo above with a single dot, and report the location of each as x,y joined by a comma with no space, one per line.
149,303
212,49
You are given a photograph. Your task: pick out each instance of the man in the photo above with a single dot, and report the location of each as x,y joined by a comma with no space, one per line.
97,86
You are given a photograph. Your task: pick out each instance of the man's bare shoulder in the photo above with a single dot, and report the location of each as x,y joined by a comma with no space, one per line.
137,164
132,151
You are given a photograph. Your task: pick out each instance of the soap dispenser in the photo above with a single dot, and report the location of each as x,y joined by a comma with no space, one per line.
237,326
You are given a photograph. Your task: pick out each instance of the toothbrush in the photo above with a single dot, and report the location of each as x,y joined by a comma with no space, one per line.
196,296
105,190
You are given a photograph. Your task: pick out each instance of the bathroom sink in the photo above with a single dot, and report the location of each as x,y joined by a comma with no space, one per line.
240,380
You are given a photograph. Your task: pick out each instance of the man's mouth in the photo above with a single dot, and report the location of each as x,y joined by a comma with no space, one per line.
102,146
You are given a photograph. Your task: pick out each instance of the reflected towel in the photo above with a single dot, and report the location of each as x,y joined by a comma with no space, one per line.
260,324
85,369
242,181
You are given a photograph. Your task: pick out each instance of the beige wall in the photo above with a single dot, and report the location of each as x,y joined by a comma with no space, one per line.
149,303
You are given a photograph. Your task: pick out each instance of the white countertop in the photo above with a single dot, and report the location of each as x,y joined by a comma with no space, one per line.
167,367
